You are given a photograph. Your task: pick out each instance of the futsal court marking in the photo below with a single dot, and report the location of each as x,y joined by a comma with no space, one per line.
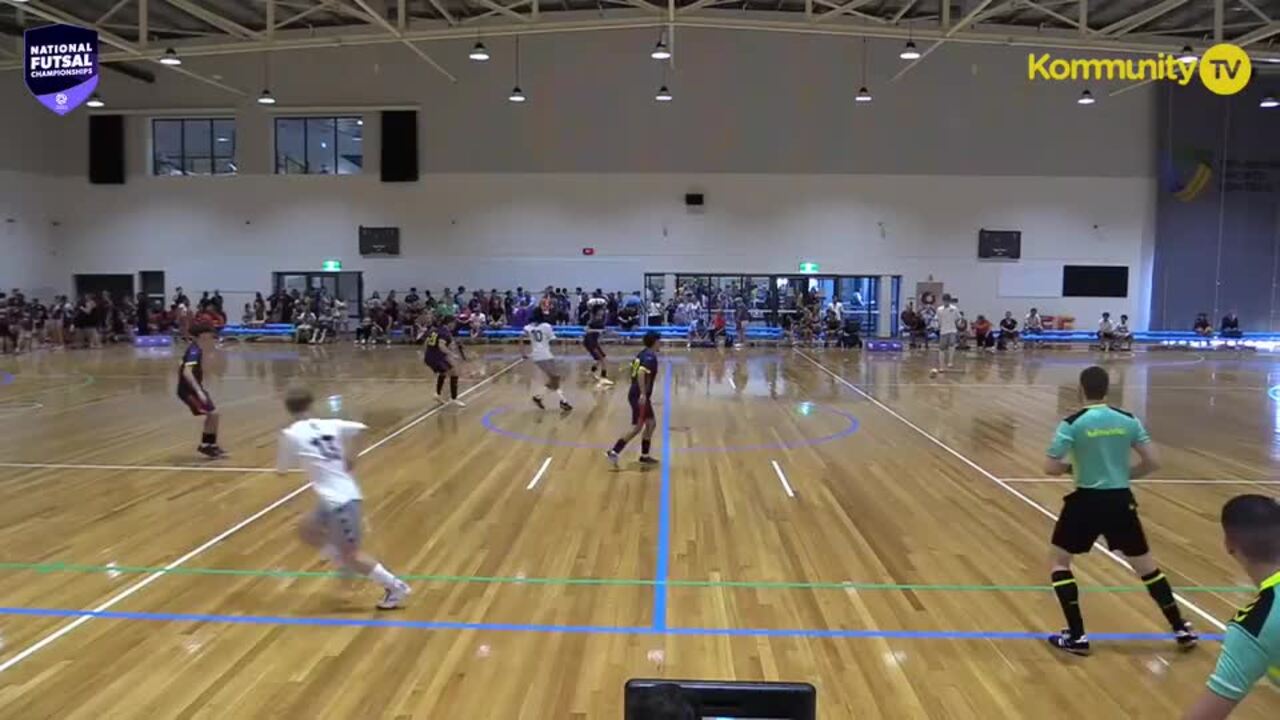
1154,481
786,486
157,468
541,471
579,629
144,582
1012,490
117,570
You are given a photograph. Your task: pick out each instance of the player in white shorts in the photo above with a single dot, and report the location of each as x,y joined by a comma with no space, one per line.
947,317
322,446
540,334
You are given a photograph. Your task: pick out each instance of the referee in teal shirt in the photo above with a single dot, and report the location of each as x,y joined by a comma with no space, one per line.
1096,445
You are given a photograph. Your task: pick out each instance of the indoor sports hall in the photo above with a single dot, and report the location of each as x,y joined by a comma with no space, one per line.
839,265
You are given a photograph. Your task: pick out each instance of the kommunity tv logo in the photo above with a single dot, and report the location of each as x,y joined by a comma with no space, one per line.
1224,69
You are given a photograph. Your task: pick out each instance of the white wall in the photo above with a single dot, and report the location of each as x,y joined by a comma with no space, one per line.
763,124
27,252
507,230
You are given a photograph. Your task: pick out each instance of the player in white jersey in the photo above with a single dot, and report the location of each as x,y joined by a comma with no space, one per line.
947,317
540,334
322,446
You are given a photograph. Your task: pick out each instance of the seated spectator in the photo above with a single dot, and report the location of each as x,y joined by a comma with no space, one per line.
246,318
629,317
1203,327
1231,326
909,320
717,327
1124,336
304,322
1008,331
850,334
364,333
1106,333
324,327
983,336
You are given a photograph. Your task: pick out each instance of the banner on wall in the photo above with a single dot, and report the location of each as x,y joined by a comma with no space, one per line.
60,65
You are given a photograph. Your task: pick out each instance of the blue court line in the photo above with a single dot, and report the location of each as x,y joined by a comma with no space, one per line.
576,629
6,378
663,563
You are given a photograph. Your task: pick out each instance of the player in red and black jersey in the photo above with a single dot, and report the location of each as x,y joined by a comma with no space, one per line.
644,376
438,351
191,389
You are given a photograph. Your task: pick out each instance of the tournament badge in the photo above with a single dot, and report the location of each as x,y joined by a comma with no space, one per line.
60,65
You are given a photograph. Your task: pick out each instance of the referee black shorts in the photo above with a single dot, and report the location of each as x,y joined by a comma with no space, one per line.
1112,514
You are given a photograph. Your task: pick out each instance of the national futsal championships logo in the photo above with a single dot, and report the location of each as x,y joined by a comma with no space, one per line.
1224,69
60,65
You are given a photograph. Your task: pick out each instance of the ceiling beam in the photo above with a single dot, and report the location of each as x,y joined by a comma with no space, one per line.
144,23
965,22
1083,17
1254,9
386,25
39,9
1142,17
114,9
212,18
1051,13
903,11
1256,36
505,9
593,21
1219,17
845,9
444,13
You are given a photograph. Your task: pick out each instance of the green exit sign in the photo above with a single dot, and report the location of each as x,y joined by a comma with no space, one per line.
331,265
809,268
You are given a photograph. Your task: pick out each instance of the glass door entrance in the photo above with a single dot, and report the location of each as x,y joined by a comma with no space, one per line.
347,286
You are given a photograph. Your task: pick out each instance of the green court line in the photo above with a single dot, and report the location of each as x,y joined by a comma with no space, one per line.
60,567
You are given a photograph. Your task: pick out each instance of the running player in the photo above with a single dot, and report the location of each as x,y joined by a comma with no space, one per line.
438,356
191,389
1098,440
597,309
1251,648
644,375
323,447
540,335
947,316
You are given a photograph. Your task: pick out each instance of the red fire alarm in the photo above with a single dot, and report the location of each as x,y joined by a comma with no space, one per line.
588,251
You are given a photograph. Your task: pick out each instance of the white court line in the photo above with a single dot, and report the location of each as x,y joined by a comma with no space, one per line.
1152,481
124,594
541,471
1012,490
187,468
785,485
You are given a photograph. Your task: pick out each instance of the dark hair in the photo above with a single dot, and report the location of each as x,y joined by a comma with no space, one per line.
651,338
661,702
298,400
1095,382
1252,526
537,316
199,329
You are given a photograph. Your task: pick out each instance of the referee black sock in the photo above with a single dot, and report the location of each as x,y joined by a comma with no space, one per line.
645,446
209,439
1064,586
439,384
604,371
1160,590
453,386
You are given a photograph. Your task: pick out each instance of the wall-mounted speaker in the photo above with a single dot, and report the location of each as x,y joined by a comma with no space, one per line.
106,149
399,146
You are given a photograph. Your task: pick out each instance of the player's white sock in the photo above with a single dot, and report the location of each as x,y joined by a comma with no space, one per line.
560,394
383,577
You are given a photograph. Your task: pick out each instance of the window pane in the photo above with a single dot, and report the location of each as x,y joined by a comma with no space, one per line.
350,146
224,166
224,138
166,142
197,146
322,152
291,151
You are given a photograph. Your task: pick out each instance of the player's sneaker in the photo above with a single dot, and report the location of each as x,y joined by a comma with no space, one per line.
212,452
565,406
613,458
646,460
440,398
604,382
1074,645
457,403
538,401
393,599
1186,637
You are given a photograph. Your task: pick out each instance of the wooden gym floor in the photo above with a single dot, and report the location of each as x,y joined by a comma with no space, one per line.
820,516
